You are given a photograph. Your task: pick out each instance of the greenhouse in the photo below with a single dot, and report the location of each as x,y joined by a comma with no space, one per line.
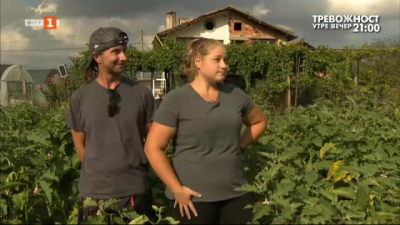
16,86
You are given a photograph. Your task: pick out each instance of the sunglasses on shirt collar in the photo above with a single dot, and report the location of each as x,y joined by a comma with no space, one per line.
112,102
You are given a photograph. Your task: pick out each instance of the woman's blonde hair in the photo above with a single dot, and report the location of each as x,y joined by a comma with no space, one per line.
198,47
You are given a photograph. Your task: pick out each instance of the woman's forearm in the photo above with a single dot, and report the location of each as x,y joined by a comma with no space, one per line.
80,151
251,134
161,166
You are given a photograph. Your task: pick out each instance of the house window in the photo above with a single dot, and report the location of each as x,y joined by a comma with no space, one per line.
238,41
238,26
209,25
264,41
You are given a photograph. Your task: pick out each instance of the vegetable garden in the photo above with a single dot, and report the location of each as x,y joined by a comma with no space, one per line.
333,160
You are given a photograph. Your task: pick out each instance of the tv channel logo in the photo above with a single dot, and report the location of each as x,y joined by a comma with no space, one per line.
48,23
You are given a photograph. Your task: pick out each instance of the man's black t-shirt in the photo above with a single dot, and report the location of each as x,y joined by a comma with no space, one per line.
114,165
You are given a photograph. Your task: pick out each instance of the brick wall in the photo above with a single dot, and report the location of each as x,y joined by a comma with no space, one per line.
251,29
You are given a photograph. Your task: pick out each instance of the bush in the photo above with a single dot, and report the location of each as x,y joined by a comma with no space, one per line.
330,164
40,169
59,90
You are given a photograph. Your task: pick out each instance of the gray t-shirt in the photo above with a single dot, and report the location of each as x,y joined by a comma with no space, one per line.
207,155
114,165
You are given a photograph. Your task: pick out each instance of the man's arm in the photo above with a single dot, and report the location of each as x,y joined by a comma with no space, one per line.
149,110
74,122
79,142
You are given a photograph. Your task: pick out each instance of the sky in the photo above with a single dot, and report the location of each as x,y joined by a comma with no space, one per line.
79,18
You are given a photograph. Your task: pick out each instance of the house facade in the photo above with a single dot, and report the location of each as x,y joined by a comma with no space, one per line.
229,25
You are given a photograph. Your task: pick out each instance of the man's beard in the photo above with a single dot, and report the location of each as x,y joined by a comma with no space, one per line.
116,72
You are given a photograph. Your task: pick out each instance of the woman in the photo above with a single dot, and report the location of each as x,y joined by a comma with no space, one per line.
204,118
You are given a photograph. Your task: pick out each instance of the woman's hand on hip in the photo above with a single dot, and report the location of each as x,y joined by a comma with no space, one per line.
183,197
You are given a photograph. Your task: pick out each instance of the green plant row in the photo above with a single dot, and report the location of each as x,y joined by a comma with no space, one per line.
328,164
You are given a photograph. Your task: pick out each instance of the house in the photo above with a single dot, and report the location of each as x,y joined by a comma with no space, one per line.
302,42
227,25
155,82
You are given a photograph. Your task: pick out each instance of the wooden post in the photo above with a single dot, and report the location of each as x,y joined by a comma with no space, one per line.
141,48
358,72
24,89
288,94
32,98
158,39
297,79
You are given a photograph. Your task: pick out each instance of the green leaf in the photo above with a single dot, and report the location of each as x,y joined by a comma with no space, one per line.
118,220
96,219
318,220
318,141
370,182
15,221
140,220
279,220
369,170
89,203
20,199
266,139
3,207
327,147
344,192
50,173
311,177
111,203
46,187
327,195
132,215
310,210
260,210
385,215
362,196
171,220
391,150
285,187
40,136
11,185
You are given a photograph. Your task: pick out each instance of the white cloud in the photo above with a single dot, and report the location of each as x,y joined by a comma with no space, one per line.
260,10
70,32
73,33
45,7
78,22
13,39
161,28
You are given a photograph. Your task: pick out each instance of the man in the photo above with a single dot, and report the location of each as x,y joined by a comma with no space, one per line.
109,118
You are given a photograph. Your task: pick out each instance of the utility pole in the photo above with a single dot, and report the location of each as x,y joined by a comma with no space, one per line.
141,46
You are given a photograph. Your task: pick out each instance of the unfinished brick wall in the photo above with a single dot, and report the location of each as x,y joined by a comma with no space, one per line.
251,29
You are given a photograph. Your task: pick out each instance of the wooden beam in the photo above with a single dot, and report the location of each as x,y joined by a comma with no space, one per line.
159,40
